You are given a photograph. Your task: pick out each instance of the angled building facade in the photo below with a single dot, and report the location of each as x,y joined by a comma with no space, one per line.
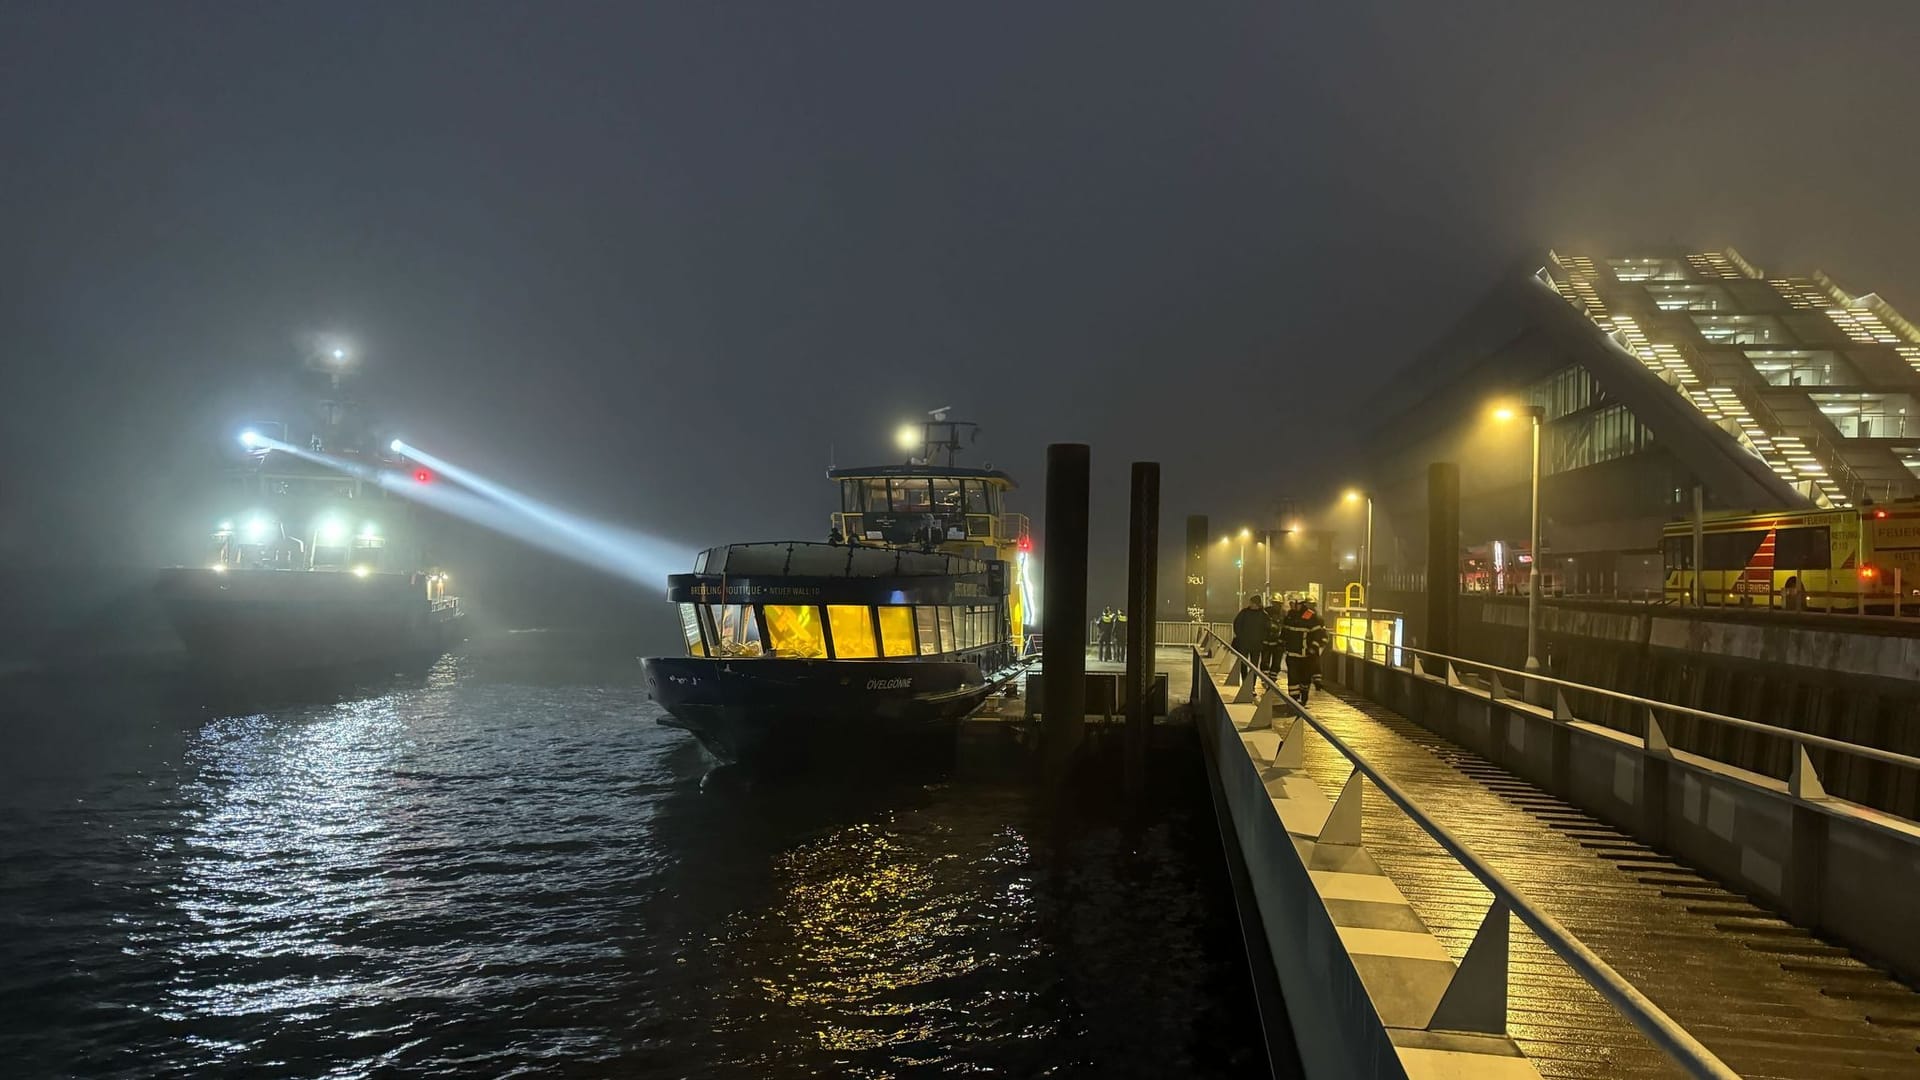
1656,372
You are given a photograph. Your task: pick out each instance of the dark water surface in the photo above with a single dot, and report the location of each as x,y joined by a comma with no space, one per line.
512,869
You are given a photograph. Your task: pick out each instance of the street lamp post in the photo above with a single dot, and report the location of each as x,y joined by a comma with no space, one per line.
1241,563
1366,564
1535,414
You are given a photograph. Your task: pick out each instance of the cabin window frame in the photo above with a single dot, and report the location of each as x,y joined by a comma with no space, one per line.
913,638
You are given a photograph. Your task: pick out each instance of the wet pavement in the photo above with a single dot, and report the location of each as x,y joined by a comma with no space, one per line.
1771,999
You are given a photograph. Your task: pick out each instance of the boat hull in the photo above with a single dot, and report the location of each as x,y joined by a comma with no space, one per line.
774,712
245,624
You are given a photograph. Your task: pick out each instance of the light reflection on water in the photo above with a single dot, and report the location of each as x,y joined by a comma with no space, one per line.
491,874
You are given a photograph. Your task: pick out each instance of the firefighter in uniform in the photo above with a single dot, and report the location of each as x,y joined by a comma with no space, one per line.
1106,634
1303,635
1120,634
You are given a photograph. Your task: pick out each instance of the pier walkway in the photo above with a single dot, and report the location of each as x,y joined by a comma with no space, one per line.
1769,999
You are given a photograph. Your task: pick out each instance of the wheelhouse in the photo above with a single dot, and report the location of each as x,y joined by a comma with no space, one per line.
900,504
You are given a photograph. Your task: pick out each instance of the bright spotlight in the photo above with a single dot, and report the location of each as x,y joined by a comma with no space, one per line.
1352,495
249,438
331,532
339,354
257,529
1503,413
361,571
225,527
218,568
368,532
908,437
395,446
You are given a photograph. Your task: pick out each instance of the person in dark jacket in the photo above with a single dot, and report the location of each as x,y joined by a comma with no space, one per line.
1106,634
1250,631
1303,636
1270,645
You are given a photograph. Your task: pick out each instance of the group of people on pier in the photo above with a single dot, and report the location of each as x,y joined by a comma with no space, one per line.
1264,634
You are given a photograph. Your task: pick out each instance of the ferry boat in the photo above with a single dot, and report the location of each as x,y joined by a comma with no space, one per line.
902,622
312,563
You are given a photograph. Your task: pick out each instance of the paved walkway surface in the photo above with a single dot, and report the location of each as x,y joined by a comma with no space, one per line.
1772,1000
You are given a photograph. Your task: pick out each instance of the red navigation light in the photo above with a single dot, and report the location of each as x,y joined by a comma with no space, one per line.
1026,543
1869,572
425,476
1878,514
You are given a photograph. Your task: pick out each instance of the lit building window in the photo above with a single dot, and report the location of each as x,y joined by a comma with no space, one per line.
1869,416
1802,367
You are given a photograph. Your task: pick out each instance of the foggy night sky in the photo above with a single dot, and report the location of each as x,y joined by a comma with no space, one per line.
652,260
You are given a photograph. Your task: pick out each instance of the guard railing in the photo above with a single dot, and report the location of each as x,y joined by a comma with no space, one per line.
1659,1028
1498,683
1168,632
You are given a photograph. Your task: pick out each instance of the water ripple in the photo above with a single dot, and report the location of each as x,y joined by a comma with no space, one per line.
486,875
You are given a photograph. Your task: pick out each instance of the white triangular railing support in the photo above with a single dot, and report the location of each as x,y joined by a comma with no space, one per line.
1343,824
1291,753
1656,735
1262,713
1248,687
1562,711
1476,998
1803,782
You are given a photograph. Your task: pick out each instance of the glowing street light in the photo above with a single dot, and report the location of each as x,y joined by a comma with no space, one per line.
1355,495
1535,413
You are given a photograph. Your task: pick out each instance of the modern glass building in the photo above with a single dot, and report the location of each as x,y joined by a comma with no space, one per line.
1655,371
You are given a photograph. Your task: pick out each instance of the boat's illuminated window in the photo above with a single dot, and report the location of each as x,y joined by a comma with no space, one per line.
928,623
911,497
690,626
946,497
852,631
896,631
794,630
876,496
947,640
976,497
739,633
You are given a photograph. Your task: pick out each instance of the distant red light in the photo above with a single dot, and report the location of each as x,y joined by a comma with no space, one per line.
1026,544
1879,514
424,476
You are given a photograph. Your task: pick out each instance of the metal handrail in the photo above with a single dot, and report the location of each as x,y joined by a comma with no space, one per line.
1805,738
1639,1010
